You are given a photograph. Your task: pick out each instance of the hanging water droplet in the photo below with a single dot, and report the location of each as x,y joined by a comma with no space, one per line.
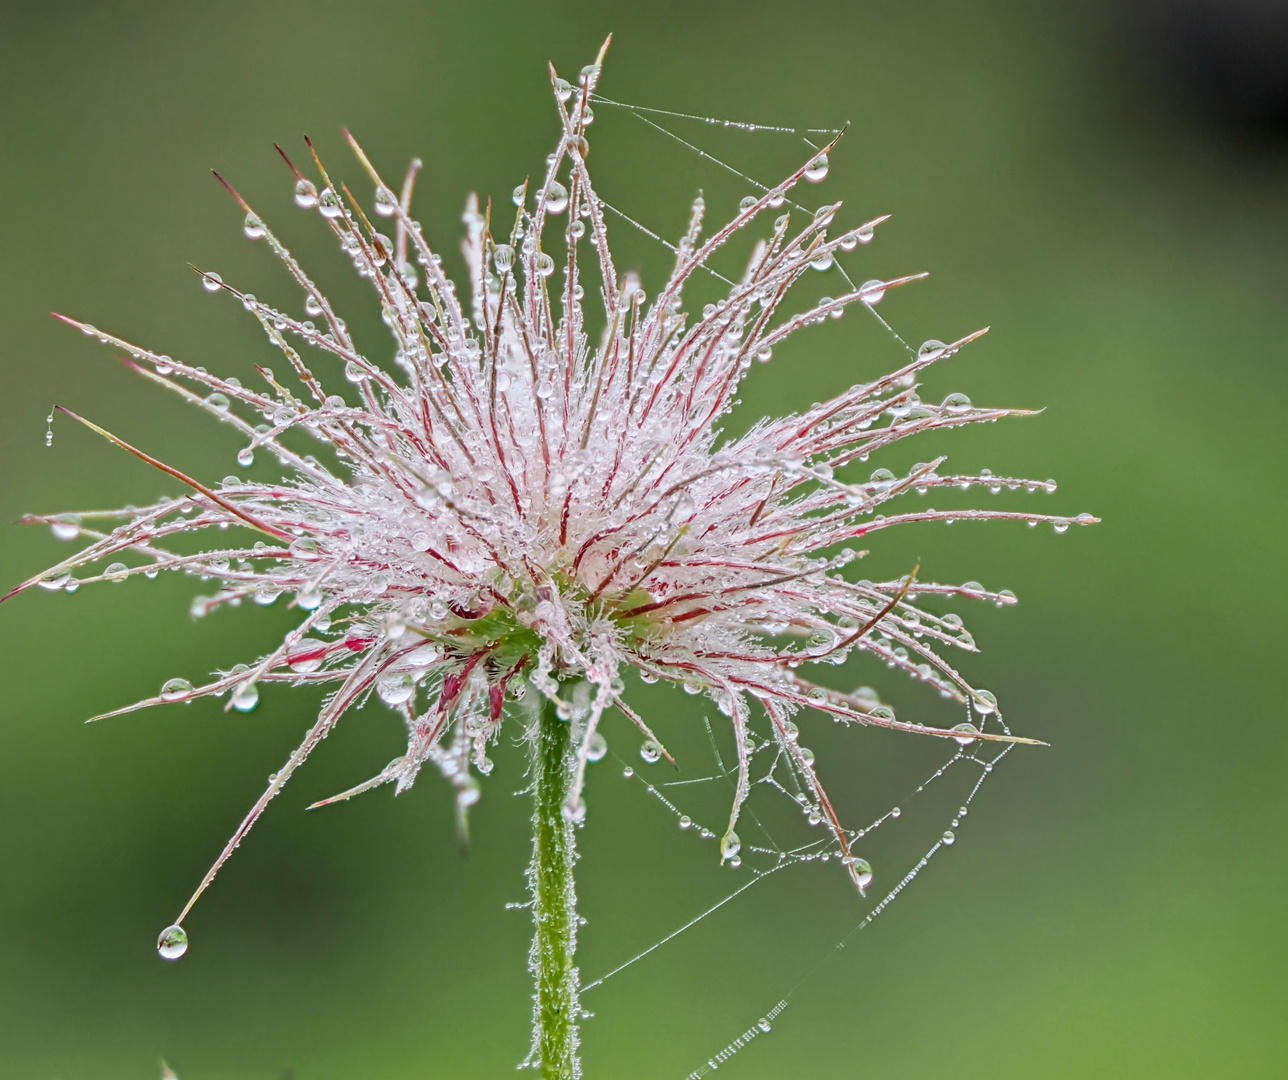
172,943
686,822
218,401
747,202
764,1025
596,748
519,194
651,752
253,227
212,282
306,195
556,198
65,526
985,702
329,204
956,404
822,261
53,584
117,572
860,870
816,170
574,812
309,596
245,696
1061,525
503,257
173,689
949,838
730,845
355,372
871,292
545,264
386,204
245,457
967,736
396,689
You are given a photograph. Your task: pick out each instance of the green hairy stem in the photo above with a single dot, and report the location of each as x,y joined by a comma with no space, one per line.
556,1008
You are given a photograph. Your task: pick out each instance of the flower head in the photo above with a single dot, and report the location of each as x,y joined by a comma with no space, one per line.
532,496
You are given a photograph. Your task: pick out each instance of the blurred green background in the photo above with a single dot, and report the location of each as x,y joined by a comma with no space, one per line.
1114,904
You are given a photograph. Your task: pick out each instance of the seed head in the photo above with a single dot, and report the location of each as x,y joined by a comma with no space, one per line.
523,499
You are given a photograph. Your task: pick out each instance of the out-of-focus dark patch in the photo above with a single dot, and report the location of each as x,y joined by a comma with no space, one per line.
1226,59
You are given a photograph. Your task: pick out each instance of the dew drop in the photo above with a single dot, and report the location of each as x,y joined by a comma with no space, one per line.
764,1025
545,264
212,282
628,772
309,596
254,227
985,702
386,202
65,526
730,845
355,372
956,404
396,689
306,195
172,943
686,822
871,292
329,204
860,870
931,350
949,838
173,689
967,736
117,572
651,752
218,401
245,457
556,198
823,261
519,194
53,584
503,257
596,748
245,696
816,170
1061,525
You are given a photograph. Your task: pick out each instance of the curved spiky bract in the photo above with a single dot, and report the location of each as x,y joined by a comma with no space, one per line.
512,504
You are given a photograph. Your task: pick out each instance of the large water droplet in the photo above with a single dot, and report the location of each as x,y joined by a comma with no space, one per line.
253,227
396,689
172,943
556,198
117,572
174,689
245,696
967,736
212,282
245,457
574,811
985,702
596,748
871,292
306,195
329,204
651,752
386,202
860,870
816,170
949,838
503,257
730,845
309,596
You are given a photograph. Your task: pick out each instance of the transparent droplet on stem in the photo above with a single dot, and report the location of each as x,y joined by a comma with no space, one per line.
730,845
967,733
816,170
173,689
306,195
245,696
386,204
117,572
596,748
172,942
651,752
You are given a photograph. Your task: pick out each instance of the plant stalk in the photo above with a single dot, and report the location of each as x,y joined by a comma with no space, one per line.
556,1007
